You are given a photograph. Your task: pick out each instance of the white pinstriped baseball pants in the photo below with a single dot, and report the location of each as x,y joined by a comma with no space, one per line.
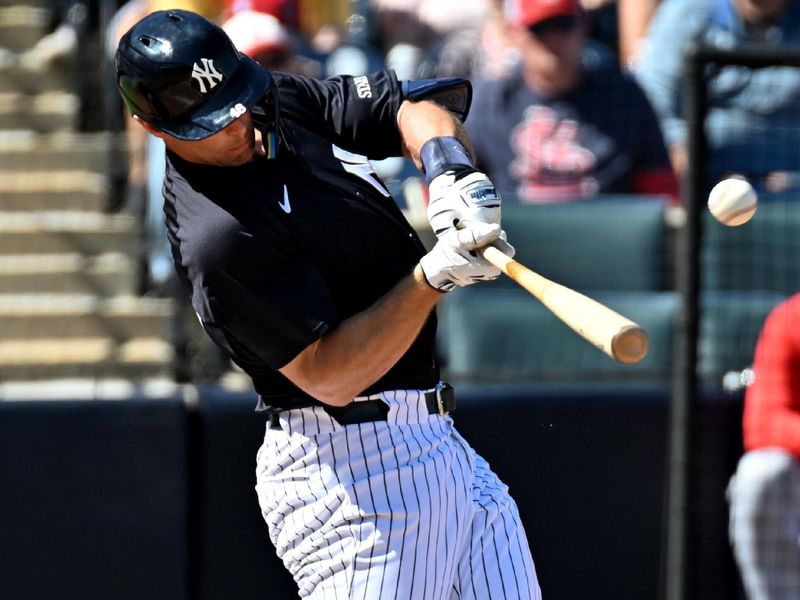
402,509
764,523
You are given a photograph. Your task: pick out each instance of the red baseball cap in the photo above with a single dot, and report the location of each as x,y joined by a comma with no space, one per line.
256,32
286,11
530,12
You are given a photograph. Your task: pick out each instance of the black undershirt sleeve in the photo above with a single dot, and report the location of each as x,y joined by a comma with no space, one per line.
356,113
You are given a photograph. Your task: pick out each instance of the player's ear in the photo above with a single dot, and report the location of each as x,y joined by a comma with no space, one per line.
148,127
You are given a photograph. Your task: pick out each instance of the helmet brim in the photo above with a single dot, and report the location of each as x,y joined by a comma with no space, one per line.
247,85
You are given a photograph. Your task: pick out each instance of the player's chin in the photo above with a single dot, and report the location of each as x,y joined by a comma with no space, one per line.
241,155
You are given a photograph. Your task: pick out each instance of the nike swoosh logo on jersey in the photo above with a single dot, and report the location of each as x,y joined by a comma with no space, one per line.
285,205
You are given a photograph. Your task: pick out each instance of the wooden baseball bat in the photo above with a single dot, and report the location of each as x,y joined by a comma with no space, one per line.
614,334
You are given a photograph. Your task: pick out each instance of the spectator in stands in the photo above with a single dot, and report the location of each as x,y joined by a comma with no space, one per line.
764,493
67,21
602,24
483,51
265,39
286,11
567,124
73,40
317,26
633,21
620,25
271,32
427,25
262,37
750,111
424,23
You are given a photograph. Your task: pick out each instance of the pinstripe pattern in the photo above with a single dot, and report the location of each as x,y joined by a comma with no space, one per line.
764,523
390,510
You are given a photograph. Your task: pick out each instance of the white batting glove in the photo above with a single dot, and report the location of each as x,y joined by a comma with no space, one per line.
454,260
457,197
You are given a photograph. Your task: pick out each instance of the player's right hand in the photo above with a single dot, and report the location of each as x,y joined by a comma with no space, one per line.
454,260
462,196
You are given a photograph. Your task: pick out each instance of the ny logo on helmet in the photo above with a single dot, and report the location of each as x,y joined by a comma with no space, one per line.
207,74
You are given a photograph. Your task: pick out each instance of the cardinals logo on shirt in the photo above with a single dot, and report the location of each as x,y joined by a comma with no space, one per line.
551,163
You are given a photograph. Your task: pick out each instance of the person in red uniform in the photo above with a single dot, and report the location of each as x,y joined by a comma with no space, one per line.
764,493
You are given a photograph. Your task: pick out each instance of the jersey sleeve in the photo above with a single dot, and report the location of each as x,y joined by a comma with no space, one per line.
356,113
772,401
262,301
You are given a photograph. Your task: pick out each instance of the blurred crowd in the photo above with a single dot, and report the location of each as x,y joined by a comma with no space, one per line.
573,98
571,148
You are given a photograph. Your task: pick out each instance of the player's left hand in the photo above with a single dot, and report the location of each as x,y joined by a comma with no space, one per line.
464,195
456,261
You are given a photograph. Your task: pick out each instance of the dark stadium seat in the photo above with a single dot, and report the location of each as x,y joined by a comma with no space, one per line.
507,335
764,254
729,326
745,271
607,243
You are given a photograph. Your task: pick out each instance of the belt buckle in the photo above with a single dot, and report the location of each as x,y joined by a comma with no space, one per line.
273,417
445,402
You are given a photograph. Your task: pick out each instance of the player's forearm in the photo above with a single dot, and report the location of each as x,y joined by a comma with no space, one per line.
420,121
355,354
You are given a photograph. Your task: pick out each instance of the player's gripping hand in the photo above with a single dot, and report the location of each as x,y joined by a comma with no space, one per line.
462,196
459,193
455,261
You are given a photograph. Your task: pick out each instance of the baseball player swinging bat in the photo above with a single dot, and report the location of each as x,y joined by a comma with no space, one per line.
614,334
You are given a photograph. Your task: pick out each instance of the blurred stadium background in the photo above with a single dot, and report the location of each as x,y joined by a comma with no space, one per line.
127,444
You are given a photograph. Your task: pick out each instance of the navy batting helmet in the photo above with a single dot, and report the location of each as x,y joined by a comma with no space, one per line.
181,73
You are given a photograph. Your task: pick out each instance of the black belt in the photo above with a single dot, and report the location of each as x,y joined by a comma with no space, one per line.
439,401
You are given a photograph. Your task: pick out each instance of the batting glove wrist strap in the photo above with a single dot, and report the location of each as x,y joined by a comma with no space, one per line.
454,260
441,154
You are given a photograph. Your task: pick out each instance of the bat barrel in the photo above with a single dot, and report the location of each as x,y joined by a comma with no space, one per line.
629,345
617,336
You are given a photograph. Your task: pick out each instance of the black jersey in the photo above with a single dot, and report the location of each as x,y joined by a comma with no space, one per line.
279,251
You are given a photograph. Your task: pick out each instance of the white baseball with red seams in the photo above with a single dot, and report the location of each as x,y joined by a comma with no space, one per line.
733,202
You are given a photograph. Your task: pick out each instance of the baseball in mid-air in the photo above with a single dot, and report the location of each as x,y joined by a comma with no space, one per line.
733,202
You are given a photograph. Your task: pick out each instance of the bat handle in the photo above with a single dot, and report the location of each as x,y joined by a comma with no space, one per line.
531,281
495,256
